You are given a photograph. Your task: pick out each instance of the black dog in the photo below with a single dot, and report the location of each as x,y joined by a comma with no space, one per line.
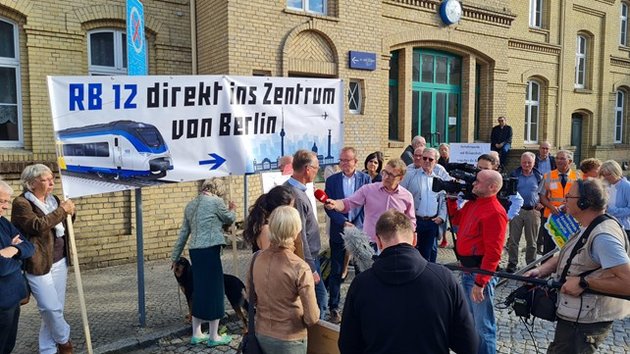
234,289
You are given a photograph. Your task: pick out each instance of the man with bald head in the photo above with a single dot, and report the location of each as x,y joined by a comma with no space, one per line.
480,239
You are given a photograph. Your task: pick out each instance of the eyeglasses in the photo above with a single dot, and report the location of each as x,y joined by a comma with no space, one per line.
386,173
428,158
346,160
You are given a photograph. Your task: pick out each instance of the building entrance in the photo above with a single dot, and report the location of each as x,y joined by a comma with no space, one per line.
436,96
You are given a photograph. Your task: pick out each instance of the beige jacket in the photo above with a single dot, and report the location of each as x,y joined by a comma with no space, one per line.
285,290
590,308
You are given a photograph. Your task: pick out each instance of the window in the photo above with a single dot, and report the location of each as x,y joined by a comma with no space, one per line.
10,100
535,13
532,112
580,62
314,6
619,114
624,24
107,50
354,97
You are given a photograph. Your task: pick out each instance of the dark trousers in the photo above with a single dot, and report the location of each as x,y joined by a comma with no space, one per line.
427,232
578,338
8,328
337,254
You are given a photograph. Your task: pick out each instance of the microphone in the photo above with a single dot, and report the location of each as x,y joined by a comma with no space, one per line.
321,196
357,243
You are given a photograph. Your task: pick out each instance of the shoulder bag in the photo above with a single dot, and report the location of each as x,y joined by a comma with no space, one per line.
249,344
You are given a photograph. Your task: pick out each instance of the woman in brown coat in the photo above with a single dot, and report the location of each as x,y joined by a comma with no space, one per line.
41,217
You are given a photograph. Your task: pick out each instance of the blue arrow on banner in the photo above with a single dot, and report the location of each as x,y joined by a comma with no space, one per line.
216,160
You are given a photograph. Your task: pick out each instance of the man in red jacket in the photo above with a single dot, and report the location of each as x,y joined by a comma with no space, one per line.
480,239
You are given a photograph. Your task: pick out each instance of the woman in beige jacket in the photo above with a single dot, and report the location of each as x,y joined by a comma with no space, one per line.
285,290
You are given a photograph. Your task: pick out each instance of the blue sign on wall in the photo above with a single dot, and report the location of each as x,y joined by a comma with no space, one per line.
136,42
362,60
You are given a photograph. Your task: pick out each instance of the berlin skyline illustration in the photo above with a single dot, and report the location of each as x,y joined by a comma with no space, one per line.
267,154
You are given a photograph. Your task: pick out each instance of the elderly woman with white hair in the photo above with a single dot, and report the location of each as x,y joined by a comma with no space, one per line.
618,193
204,218
41,217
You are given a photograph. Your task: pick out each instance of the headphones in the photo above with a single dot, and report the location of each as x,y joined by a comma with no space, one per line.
582,202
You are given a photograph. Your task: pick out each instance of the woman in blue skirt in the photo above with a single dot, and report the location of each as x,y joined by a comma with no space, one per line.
203,222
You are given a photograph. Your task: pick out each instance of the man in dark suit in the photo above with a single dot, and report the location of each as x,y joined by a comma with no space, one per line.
339,186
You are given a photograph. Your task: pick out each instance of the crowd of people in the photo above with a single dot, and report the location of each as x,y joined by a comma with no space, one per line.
403,217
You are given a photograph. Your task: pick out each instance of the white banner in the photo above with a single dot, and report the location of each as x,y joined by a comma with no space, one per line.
124,132
467,152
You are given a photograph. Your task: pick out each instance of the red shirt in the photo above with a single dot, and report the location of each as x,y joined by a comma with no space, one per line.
482,224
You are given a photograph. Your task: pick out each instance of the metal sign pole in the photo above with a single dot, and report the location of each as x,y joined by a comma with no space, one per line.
140,260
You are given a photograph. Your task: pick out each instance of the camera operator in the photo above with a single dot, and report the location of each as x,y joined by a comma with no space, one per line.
511,202
480,239
601,263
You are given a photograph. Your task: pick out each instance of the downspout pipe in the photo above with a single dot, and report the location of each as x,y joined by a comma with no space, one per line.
559,108
193,36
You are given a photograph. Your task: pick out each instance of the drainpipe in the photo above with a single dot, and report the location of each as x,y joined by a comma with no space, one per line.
193,36
563,7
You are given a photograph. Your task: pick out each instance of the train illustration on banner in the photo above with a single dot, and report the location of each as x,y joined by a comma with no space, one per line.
119,149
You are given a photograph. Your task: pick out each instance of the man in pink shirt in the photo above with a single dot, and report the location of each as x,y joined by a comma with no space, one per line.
377,198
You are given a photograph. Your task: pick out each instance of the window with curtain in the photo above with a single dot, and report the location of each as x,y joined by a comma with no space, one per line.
10,97
532,112
623,40
314,6
107,50
619,115
580,62
535,13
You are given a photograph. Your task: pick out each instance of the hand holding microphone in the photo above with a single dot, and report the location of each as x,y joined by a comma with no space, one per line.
329,204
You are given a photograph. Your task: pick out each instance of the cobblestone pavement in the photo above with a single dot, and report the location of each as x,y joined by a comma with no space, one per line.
111,297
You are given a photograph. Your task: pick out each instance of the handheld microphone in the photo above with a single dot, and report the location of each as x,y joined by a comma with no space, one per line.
321,196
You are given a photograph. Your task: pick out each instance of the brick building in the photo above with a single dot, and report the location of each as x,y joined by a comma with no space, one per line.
558,70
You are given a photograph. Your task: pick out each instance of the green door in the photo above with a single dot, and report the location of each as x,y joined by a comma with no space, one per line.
436,96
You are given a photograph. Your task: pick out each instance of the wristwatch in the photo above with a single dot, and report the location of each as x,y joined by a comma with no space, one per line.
583,282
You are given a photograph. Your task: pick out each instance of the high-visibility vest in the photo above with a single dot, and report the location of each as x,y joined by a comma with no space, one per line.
555,192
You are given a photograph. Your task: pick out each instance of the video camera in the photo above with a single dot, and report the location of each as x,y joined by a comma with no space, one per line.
467,173
464,172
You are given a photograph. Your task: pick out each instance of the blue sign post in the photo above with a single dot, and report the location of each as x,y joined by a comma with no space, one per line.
136,42
137,65
362,60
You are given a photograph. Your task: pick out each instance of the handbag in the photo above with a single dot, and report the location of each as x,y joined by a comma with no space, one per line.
249,344
27,298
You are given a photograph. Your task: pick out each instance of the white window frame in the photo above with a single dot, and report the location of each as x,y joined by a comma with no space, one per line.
536,13
581,58
14,63
531,102
355,95
118,68
305,6
620,101
623,20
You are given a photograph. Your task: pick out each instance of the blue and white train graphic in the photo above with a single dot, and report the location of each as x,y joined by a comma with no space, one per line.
121,149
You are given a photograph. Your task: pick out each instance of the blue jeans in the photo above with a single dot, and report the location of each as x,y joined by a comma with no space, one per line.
503,151
320,292
337,254
428,233
272,345
483,313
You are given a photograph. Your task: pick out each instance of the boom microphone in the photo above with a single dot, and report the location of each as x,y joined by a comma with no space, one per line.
358,244
321,196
